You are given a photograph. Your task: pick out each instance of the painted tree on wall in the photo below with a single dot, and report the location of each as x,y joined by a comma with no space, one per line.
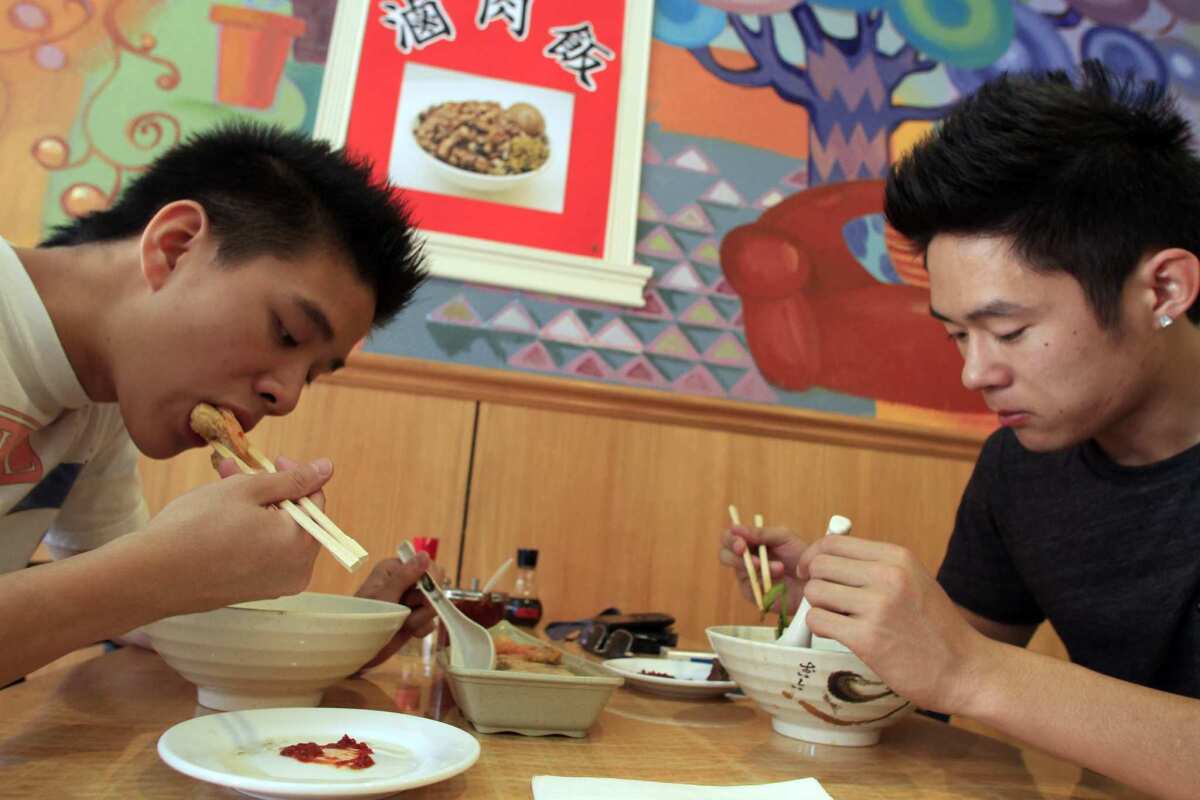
848,85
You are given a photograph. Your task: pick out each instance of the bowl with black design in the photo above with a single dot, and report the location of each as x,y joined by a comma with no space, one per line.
823,694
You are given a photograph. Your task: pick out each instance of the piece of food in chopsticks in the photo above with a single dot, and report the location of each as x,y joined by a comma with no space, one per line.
221,429
220,425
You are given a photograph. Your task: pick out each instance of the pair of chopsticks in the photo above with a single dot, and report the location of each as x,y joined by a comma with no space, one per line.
349,553
763,563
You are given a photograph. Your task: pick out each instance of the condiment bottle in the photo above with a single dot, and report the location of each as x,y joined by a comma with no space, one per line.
523,606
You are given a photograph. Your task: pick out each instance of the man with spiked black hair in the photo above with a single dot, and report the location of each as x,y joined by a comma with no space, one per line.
242,264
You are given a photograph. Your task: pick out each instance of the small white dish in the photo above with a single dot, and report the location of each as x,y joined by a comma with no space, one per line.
240,750
689,679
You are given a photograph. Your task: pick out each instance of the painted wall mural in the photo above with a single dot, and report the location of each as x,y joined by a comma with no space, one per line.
770,125
92,90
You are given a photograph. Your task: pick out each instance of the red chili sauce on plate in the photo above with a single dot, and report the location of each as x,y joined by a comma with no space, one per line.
311,752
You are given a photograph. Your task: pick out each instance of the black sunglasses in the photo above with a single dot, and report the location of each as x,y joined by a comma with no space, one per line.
595,637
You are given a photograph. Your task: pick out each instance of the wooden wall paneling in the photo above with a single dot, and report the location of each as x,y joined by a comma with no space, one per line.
400,469
628,513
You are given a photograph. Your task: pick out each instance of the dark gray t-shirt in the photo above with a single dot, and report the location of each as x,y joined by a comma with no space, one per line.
1109,554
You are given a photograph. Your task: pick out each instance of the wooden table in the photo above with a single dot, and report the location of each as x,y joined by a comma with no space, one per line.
90,731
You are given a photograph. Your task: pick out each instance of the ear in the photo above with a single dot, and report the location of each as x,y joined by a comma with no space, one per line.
169,237
1171,279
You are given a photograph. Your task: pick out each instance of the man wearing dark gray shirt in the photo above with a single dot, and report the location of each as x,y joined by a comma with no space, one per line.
1060,223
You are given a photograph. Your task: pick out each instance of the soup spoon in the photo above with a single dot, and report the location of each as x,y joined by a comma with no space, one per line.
797,633
471,645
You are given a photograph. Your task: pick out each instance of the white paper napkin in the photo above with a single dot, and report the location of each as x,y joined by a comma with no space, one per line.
552,787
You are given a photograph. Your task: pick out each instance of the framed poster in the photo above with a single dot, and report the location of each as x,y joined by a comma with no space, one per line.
514,128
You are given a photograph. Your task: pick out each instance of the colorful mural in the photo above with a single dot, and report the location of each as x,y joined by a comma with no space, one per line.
770,124
92,90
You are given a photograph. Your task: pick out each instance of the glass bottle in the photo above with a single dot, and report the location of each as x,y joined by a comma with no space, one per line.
523,607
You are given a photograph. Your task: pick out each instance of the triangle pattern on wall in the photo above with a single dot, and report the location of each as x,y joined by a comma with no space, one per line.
616,335
682,278
707,252
772,197
659,243
533,356
728,350
641,371
691,218
672,342
753,387
722,193
648,210
698,380
456,311
589,365
692,160
566,327
514,317
702,312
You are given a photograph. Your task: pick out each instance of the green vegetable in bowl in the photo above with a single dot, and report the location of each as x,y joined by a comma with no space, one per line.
777,594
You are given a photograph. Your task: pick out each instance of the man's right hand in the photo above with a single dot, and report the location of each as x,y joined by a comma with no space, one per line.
784,549
224,543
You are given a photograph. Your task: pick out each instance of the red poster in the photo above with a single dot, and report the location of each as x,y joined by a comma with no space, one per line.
497,117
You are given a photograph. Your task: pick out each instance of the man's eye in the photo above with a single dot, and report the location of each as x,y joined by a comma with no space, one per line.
1011,337
285,337
957,336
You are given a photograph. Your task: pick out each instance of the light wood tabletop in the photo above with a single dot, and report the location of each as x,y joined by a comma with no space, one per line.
91,730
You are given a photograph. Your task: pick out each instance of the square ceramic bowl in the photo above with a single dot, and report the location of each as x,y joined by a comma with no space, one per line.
827,696
275,653
532,704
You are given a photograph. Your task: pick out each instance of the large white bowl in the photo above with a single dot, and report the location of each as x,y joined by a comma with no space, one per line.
825,696
275,653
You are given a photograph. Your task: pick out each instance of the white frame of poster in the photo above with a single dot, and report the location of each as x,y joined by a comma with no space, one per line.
613,279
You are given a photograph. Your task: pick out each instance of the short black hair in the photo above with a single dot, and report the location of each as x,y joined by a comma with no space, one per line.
267,190
1085,176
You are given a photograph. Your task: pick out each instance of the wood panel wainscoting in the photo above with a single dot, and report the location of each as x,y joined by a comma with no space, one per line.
623,491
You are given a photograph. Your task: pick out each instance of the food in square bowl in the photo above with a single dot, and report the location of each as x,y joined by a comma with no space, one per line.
483,146
535,690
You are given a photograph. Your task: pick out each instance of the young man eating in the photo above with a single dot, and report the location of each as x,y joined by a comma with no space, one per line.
1058,219
242,264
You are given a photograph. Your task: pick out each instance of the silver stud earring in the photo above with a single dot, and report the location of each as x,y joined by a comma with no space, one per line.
1165,320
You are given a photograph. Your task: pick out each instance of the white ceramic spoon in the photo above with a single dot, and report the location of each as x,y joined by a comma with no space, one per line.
471,646
797,633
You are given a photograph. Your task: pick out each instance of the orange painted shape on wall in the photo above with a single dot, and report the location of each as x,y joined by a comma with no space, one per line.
254,48
685,98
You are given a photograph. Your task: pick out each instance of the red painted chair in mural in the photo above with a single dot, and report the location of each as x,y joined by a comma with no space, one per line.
814,316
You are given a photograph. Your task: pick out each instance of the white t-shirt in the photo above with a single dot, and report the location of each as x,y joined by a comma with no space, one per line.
68,469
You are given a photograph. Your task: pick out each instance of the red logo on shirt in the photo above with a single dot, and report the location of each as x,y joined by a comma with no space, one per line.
18,462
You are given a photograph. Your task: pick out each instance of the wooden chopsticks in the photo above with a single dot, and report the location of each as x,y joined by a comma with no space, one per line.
763,562
349,553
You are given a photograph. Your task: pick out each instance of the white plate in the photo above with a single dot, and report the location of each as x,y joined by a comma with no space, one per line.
688,677
240,750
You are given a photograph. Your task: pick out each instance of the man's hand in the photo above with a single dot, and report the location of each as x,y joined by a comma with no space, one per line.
225,543
784,550
880,601
394,581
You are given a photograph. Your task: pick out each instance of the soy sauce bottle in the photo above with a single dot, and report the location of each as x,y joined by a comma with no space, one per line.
523,607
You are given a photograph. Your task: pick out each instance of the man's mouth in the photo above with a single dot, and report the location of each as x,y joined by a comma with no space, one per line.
1013,418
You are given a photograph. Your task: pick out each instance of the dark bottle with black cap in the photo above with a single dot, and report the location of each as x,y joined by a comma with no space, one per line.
523,607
